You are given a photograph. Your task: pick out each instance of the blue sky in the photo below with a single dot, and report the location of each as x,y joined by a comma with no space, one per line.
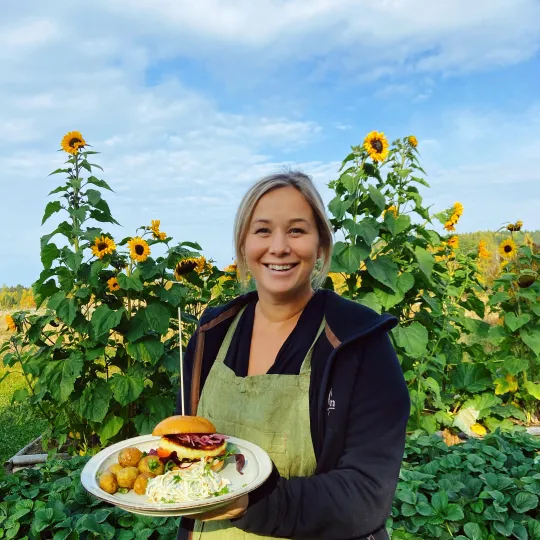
190,103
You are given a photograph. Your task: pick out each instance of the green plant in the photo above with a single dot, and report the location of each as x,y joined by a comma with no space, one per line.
50,502
481,489
101,360
392,259
515,362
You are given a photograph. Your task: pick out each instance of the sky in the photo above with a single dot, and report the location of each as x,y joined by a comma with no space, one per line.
190,103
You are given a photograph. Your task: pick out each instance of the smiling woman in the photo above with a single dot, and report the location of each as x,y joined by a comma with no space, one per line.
305,374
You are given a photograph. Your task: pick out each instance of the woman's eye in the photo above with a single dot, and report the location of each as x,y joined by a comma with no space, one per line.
263,230
297,231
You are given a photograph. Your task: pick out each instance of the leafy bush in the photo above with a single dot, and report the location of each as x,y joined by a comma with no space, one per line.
481,489
50,502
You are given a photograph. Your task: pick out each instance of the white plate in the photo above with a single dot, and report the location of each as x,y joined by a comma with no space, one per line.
257,469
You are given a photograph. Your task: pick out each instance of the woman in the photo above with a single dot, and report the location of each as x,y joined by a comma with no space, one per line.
307,375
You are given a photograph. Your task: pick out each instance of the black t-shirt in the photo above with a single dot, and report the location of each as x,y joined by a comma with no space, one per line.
293,351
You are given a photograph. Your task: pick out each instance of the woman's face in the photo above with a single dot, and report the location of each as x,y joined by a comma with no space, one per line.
282,243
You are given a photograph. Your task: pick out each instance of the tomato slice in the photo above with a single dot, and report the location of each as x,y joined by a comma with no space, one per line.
161,452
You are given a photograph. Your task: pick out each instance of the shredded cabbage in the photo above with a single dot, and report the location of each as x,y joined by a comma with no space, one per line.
192,484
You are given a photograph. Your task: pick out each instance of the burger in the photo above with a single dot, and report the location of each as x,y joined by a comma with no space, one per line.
189,439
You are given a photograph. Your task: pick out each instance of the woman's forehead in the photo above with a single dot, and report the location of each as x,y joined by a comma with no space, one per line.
285,204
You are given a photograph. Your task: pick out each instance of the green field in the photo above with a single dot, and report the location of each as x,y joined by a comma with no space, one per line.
18,426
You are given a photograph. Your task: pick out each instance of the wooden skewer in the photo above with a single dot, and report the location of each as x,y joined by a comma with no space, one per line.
181,361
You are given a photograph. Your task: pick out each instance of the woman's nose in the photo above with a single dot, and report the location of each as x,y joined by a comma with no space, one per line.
279,244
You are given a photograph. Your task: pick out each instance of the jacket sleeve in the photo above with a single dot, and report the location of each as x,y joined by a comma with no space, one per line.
188,357
353,500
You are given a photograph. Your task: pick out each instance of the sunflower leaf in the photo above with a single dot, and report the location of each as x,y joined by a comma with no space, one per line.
146,350
384,270
48,254
104,319
66,310
99,183
58,171
158,315
412,338
93,196
59,189
130,282
110,428
192,245
94,401
126,388
531,338
425,260
377,197
51,208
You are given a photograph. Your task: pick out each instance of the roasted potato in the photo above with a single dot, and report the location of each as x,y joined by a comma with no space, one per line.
115,468
108,482
129,457
127,476
151,464
141,482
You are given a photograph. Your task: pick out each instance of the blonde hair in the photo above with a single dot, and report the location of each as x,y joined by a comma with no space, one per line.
303,183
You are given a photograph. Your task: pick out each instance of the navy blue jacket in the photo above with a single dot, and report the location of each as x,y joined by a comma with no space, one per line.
359,407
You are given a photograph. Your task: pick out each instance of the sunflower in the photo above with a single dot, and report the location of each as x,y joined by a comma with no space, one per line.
413,141
72,141
453,242
155,225
392,209
508,248
450,226
113,284
376,146
483,251
156,233
138,249
11,323
103,246
185,266
515,227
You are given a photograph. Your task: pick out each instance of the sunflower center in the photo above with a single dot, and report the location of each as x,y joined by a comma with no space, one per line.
102,246
74,141
507,249
139,250
377,145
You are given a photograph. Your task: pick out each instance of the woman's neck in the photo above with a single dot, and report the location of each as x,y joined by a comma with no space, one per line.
282,310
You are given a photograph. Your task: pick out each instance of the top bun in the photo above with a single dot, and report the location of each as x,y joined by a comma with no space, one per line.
176,425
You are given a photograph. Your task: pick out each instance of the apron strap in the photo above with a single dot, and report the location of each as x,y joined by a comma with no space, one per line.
306,364
222,354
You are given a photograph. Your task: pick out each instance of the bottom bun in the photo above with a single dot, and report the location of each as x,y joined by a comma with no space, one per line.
217,465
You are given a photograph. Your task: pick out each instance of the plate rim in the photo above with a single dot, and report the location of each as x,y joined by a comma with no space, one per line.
89,482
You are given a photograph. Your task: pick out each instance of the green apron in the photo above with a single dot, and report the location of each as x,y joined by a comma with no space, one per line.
271,411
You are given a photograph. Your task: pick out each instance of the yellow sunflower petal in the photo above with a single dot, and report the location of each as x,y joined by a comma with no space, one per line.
72,141
103,246
10,321
508,248
138,249
413,141
376,146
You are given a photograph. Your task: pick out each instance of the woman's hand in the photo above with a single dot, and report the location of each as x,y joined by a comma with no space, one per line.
232,511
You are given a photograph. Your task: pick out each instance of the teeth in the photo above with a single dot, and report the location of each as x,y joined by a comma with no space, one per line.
280,266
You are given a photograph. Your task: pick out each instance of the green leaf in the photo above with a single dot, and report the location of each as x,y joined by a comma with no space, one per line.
158,315
524,502
173,295
338,207
146,350
54,301
73,260
110,428
514,322
138,326
126,388
377,197
94,402
498,298
405,282
71,371
49,253
67,309
396,225
350,183
371,301
51,208
412,338
132,282
384,270
531,338
520,532
369,230
505,528
104,319
94,196
351,257
473,531
425,260
454,513
533,389
439,501
533,527
472,377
